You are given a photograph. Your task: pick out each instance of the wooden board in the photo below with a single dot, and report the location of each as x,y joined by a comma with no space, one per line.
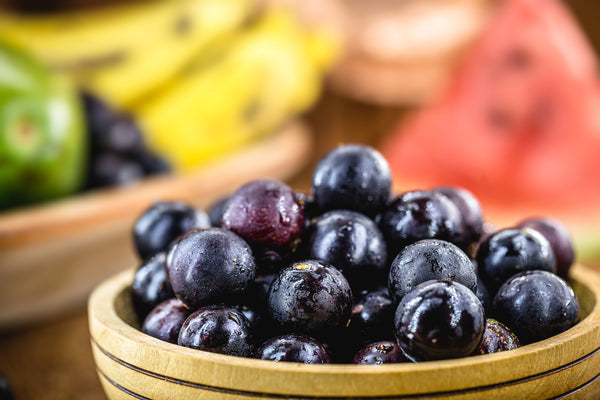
52,255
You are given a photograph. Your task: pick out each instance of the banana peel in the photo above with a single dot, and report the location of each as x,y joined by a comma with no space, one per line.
206,22
122,53
264,76
91,38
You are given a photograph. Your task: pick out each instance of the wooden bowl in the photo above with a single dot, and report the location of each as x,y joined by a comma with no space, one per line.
53,255
133,365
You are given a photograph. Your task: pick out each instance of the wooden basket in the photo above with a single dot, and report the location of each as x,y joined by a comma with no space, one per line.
133,365
53,255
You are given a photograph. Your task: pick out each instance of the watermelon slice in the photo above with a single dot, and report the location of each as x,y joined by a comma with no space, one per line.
518,124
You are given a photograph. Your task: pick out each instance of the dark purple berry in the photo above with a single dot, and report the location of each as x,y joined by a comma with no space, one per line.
510,251
215,211
293,348
150,285
426,260
208,266
98,115
536,305
352,177
162,223
271,259
439,320
262,326
418,215
166,319
111,169
351,242
309,206
265,213
384,352
122,136
497,337
117,152
218,329
371,319
153,164
310,297
560,241
483,294
470,212
259,292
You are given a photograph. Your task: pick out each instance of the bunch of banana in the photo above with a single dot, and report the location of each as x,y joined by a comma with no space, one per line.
268,73
201,77
121,53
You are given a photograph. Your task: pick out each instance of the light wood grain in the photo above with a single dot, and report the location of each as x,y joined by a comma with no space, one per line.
134,365
52,256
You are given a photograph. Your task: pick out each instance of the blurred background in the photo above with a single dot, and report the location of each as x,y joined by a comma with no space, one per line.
107,106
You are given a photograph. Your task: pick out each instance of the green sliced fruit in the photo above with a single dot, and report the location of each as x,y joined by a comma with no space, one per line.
42,134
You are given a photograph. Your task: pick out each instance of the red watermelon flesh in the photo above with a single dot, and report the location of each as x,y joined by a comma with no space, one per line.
518,124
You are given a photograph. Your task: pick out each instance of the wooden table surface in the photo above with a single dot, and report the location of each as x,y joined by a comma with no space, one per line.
54,360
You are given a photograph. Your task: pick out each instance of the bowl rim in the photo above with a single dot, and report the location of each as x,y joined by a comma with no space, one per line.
576,345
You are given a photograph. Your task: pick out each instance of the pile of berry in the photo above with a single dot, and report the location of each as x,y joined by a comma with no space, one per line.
349,273
117,152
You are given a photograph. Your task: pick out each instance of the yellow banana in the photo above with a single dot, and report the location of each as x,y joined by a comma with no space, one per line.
86,39
265,76
134,58
146,70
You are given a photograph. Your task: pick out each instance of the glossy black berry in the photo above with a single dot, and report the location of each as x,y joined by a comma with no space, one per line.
483,294
122,136
497,337
378,353
270,259
418,215
108,130
262,326
98,115
371,319
560,241
310,297
215,211
426,260
351,242
264,213
470,212
259,292
536,305
208,266
117,152
293,348
308,204
153,164
166,319
150,284
162,223
439,320
352,177
218,329
510,251
111,169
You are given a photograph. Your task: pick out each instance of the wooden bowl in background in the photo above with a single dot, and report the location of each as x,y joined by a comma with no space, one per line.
133,365
53,255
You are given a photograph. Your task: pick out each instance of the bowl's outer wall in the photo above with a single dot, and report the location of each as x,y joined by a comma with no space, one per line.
132,365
